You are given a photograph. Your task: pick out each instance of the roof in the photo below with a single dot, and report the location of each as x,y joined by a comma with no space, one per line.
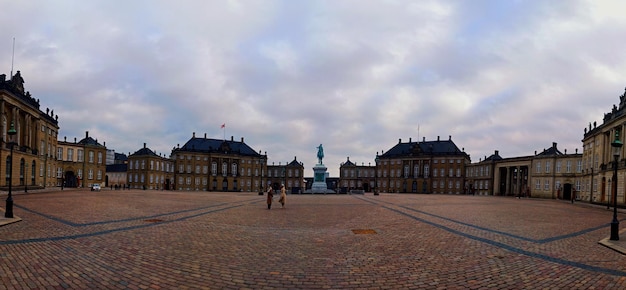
295,163
90,141
144,152
439,147
121,157
348,163
207,145
117,168
552,151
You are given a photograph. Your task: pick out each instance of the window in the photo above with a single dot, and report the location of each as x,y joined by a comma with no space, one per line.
60,153
70,154
224,169
59,172
205,169
80,155
546,185
558,167
548,166
99,157
579,166
538,184
426,170
406,171
90,174
538,169
91,157
42,148
188,168
99,175
568,166
234,169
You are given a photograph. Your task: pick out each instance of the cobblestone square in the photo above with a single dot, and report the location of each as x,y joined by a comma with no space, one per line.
78,239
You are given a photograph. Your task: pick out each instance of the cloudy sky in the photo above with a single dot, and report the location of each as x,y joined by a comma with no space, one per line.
356,76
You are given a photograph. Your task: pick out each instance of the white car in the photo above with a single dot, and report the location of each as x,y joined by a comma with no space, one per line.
95,187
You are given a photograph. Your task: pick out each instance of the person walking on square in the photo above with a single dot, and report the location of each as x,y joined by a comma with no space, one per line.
270,196
283,196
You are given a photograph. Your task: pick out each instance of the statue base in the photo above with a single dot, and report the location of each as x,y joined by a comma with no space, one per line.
319,180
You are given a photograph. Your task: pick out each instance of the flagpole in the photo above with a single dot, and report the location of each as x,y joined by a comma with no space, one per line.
12,57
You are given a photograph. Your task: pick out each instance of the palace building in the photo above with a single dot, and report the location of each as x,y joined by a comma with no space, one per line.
205,164
290,174
598,160
35,142
80,164
356,177
147,170
422,167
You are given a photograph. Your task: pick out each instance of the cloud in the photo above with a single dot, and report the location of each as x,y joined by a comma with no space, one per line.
355,76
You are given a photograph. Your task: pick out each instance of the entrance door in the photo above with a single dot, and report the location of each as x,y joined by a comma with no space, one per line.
567,191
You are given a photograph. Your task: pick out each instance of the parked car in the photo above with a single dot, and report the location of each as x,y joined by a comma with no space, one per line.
95,187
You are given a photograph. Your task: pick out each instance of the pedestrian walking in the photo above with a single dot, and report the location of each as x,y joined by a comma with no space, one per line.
283,196
270,196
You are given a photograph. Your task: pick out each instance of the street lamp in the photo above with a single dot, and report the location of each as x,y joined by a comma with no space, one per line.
9,208
617,146
376,175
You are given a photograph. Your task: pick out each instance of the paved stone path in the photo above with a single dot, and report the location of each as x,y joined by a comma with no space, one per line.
163,240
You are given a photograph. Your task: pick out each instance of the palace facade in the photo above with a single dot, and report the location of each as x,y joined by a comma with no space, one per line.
205,164
147,170
80,164
598,158
35,142
422,167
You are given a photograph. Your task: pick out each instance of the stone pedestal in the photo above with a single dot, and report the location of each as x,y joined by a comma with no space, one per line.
319,180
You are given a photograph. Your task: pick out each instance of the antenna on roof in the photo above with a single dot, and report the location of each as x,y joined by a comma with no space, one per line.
12,57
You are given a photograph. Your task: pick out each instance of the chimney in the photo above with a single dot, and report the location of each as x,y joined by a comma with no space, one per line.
449,137
437,138
565,151
144,145
554,145
232,138
241,139
496,153
576,150
65,139
424,139
400,140
86,134
74,139
204,135
410,139
193,134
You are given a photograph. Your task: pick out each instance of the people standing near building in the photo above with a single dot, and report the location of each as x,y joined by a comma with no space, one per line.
283,196
270,196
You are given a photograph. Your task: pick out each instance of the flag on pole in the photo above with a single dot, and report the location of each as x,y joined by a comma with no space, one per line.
223,125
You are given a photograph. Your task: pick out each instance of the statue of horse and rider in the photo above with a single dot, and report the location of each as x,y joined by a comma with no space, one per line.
320,153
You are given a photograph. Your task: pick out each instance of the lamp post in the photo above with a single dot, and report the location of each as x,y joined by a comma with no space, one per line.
9,208
617,146
376,175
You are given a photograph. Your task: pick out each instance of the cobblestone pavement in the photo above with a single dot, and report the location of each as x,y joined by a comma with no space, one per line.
163,240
